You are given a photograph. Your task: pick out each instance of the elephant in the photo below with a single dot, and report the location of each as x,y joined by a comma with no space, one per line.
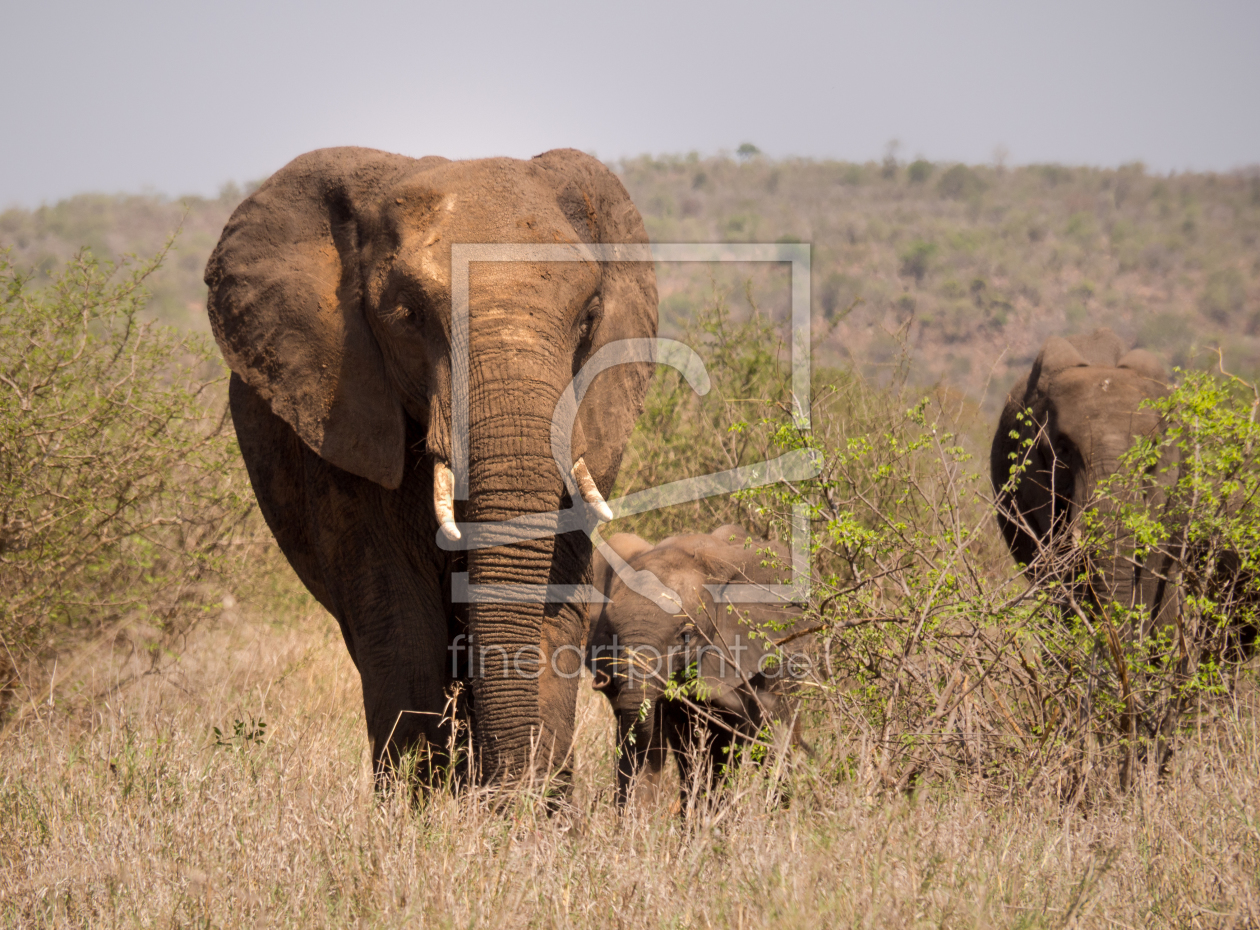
624,546
330,296
701,683
1085,395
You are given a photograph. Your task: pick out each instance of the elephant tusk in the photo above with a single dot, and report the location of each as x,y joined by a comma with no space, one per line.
444,499
590,493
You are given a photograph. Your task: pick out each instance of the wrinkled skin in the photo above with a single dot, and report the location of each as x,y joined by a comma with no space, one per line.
330,297
626,546
1085,394
740,693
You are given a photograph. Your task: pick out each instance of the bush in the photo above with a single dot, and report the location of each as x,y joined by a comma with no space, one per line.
120,486
682,435
931,649
961,183
919,171
1224,295
741,227
1190,493
916,259
839,294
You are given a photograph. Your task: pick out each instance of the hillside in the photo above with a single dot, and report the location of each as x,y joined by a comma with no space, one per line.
114,225
984,263
978,264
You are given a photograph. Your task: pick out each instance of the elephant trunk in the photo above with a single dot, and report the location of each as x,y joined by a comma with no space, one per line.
523,698
636,739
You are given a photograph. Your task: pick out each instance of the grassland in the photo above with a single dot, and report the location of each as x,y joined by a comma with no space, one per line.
124,811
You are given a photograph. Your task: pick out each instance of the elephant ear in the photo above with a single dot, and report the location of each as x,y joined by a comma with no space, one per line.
1145,364
744,635
600,211
1058,354
1013,431
734,564
286,307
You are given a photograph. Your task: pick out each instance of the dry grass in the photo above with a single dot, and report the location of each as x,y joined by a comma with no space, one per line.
123,811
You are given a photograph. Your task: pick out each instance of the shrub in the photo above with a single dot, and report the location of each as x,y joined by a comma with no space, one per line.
120,487
741,226
1171,331
919,171
1080,226
838,294
1054,175
1224,295
924,623
682,435
931,648
916,259
961,183
1193,493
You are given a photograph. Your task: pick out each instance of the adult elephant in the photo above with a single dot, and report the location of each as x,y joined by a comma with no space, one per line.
1068,423
330,297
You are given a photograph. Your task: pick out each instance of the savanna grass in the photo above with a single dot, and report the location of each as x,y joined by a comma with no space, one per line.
128,812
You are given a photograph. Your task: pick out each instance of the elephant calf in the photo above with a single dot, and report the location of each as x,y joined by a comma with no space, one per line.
683,670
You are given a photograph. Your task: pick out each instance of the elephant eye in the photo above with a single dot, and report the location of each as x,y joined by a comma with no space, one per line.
406,309
403,310
590,318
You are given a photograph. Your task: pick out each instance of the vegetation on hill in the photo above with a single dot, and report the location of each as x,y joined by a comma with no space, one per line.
977,264
113,226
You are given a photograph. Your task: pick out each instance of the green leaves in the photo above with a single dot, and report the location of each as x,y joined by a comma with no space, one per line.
245,733
930,642
120,484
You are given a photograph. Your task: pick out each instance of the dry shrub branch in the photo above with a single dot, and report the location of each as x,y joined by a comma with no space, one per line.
939,655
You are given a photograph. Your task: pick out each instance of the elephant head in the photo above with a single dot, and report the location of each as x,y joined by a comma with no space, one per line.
1084,397
624,546
330,297
732,677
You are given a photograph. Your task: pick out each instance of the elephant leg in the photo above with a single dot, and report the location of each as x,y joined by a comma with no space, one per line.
366,554
640,761
388,593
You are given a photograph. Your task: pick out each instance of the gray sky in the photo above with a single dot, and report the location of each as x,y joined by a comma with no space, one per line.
183,97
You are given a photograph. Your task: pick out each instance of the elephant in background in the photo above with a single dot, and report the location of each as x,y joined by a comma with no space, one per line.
1085,394
701,683
330,295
